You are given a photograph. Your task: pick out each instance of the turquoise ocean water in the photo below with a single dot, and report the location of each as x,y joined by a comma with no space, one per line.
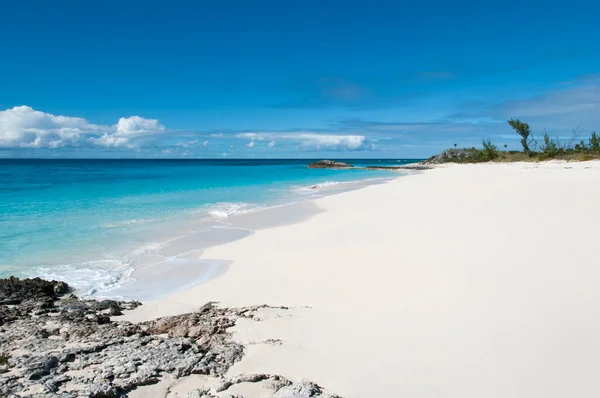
93,223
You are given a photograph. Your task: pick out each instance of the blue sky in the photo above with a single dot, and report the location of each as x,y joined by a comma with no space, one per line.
291,79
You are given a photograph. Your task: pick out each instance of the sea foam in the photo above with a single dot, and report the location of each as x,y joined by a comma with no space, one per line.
228,209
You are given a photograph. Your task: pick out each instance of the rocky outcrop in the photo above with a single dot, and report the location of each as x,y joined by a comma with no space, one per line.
14,290
57,345
272,386
452,155
329,164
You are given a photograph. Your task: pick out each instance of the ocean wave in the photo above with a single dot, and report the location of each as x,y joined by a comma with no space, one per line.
90,277
97,276
124,223
314,187
329,184
228,209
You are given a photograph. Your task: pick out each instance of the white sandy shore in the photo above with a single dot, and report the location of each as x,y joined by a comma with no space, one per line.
464,281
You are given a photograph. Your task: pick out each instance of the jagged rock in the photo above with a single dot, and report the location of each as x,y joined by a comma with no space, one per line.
14,290
329,164
197,393
278,382
103,391
39,369
222,386
451,155
54,341
304,389
249,378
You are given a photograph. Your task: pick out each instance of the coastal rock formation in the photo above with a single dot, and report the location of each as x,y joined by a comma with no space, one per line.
271,386
55,344
329,164
451,155
14,290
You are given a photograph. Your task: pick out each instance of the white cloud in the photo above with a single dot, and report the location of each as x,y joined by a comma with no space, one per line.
135,125
313,141
251,144
25,127
109,140
272,144
187,144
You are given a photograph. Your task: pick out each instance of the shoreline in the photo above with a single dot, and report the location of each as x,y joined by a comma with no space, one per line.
148,280
363,271
174,244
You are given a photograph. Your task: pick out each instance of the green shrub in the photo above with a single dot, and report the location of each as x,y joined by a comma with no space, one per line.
594,141
551,147
593,145
489,152
581,147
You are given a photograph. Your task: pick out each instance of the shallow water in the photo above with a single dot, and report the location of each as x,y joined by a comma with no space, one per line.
104,225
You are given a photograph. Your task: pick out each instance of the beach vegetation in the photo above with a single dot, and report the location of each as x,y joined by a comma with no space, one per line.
489,151
592,146
538,148
550,148
524,131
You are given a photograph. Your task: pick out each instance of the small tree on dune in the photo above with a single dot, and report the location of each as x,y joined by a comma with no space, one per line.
595,143
523,130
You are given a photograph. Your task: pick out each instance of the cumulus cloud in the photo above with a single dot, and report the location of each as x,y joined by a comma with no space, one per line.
135,125
313,141
25,127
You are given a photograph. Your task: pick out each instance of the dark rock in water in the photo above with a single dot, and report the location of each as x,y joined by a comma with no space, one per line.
329,164
68,347
14,290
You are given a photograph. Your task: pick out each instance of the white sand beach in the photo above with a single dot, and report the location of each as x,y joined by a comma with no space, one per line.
465,281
